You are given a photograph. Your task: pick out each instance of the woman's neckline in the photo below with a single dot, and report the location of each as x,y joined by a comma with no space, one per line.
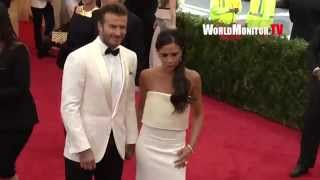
153,91
90,10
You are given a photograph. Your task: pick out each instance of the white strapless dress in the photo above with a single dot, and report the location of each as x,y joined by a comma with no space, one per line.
156,148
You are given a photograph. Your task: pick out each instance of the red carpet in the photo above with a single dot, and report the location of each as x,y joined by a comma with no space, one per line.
235,145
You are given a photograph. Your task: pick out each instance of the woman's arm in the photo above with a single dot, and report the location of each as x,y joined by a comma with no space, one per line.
197,109
197,120
142,95
173,8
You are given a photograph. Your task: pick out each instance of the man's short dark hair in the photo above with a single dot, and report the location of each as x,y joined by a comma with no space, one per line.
116,9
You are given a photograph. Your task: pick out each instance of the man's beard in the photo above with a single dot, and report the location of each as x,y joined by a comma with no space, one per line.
107,42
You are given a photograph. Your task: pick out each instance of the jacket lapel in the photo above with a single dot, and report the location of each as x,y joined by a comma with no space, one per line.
105,78
124,68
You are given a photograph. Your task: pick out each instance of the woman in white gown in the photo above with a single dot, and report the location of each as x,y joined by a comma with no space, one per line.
165,19
162,150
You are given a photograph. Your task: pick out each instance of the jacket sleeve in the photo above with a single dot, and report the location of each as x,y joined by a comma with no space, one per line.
73,84
131,117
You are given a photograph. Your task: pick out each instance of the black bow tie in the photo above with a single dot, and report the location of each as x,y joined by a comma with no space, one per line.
114,52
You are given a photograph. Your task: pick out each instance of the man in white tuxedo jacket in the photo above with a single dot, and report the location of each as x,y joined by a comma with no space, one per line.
98,103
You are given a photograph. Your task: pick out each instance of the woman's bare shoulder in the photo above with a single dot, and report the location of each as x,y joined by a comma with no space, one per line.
147,75
146,72
192,75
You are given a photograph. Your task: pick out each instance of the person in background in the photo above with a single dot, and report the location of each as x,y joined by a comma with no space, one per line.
13,9
82,30
225,11
6,3
165,19
71,5
304,16
261,13
42,9
311,127
282,4
17,107
145,10
161,150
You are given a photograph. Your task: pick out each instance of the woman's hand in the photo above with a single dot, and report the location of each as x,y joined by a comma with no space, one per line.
183,156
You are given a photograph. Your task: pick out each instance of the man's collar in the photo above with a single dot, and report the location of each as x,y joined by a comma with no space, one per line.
103,46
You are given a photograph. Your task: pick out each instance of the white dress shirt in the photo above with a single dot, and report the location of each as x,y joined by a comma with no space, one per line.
113,64
39,4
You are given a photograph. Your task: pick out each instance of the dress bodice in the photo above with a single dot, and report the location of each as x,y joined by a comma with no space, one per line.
159,112
82,30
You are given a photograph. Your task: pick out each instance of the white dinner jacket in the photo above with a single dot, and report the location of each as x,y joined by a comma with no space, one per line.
86,106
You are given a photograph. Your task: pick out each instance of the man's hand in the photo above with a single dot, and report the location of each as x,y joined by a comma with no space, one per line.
317,74
87,161
129,151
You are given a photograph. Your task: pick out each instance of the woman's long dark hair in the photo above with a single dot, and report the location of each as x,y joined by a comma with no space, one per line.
181,85
7,34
